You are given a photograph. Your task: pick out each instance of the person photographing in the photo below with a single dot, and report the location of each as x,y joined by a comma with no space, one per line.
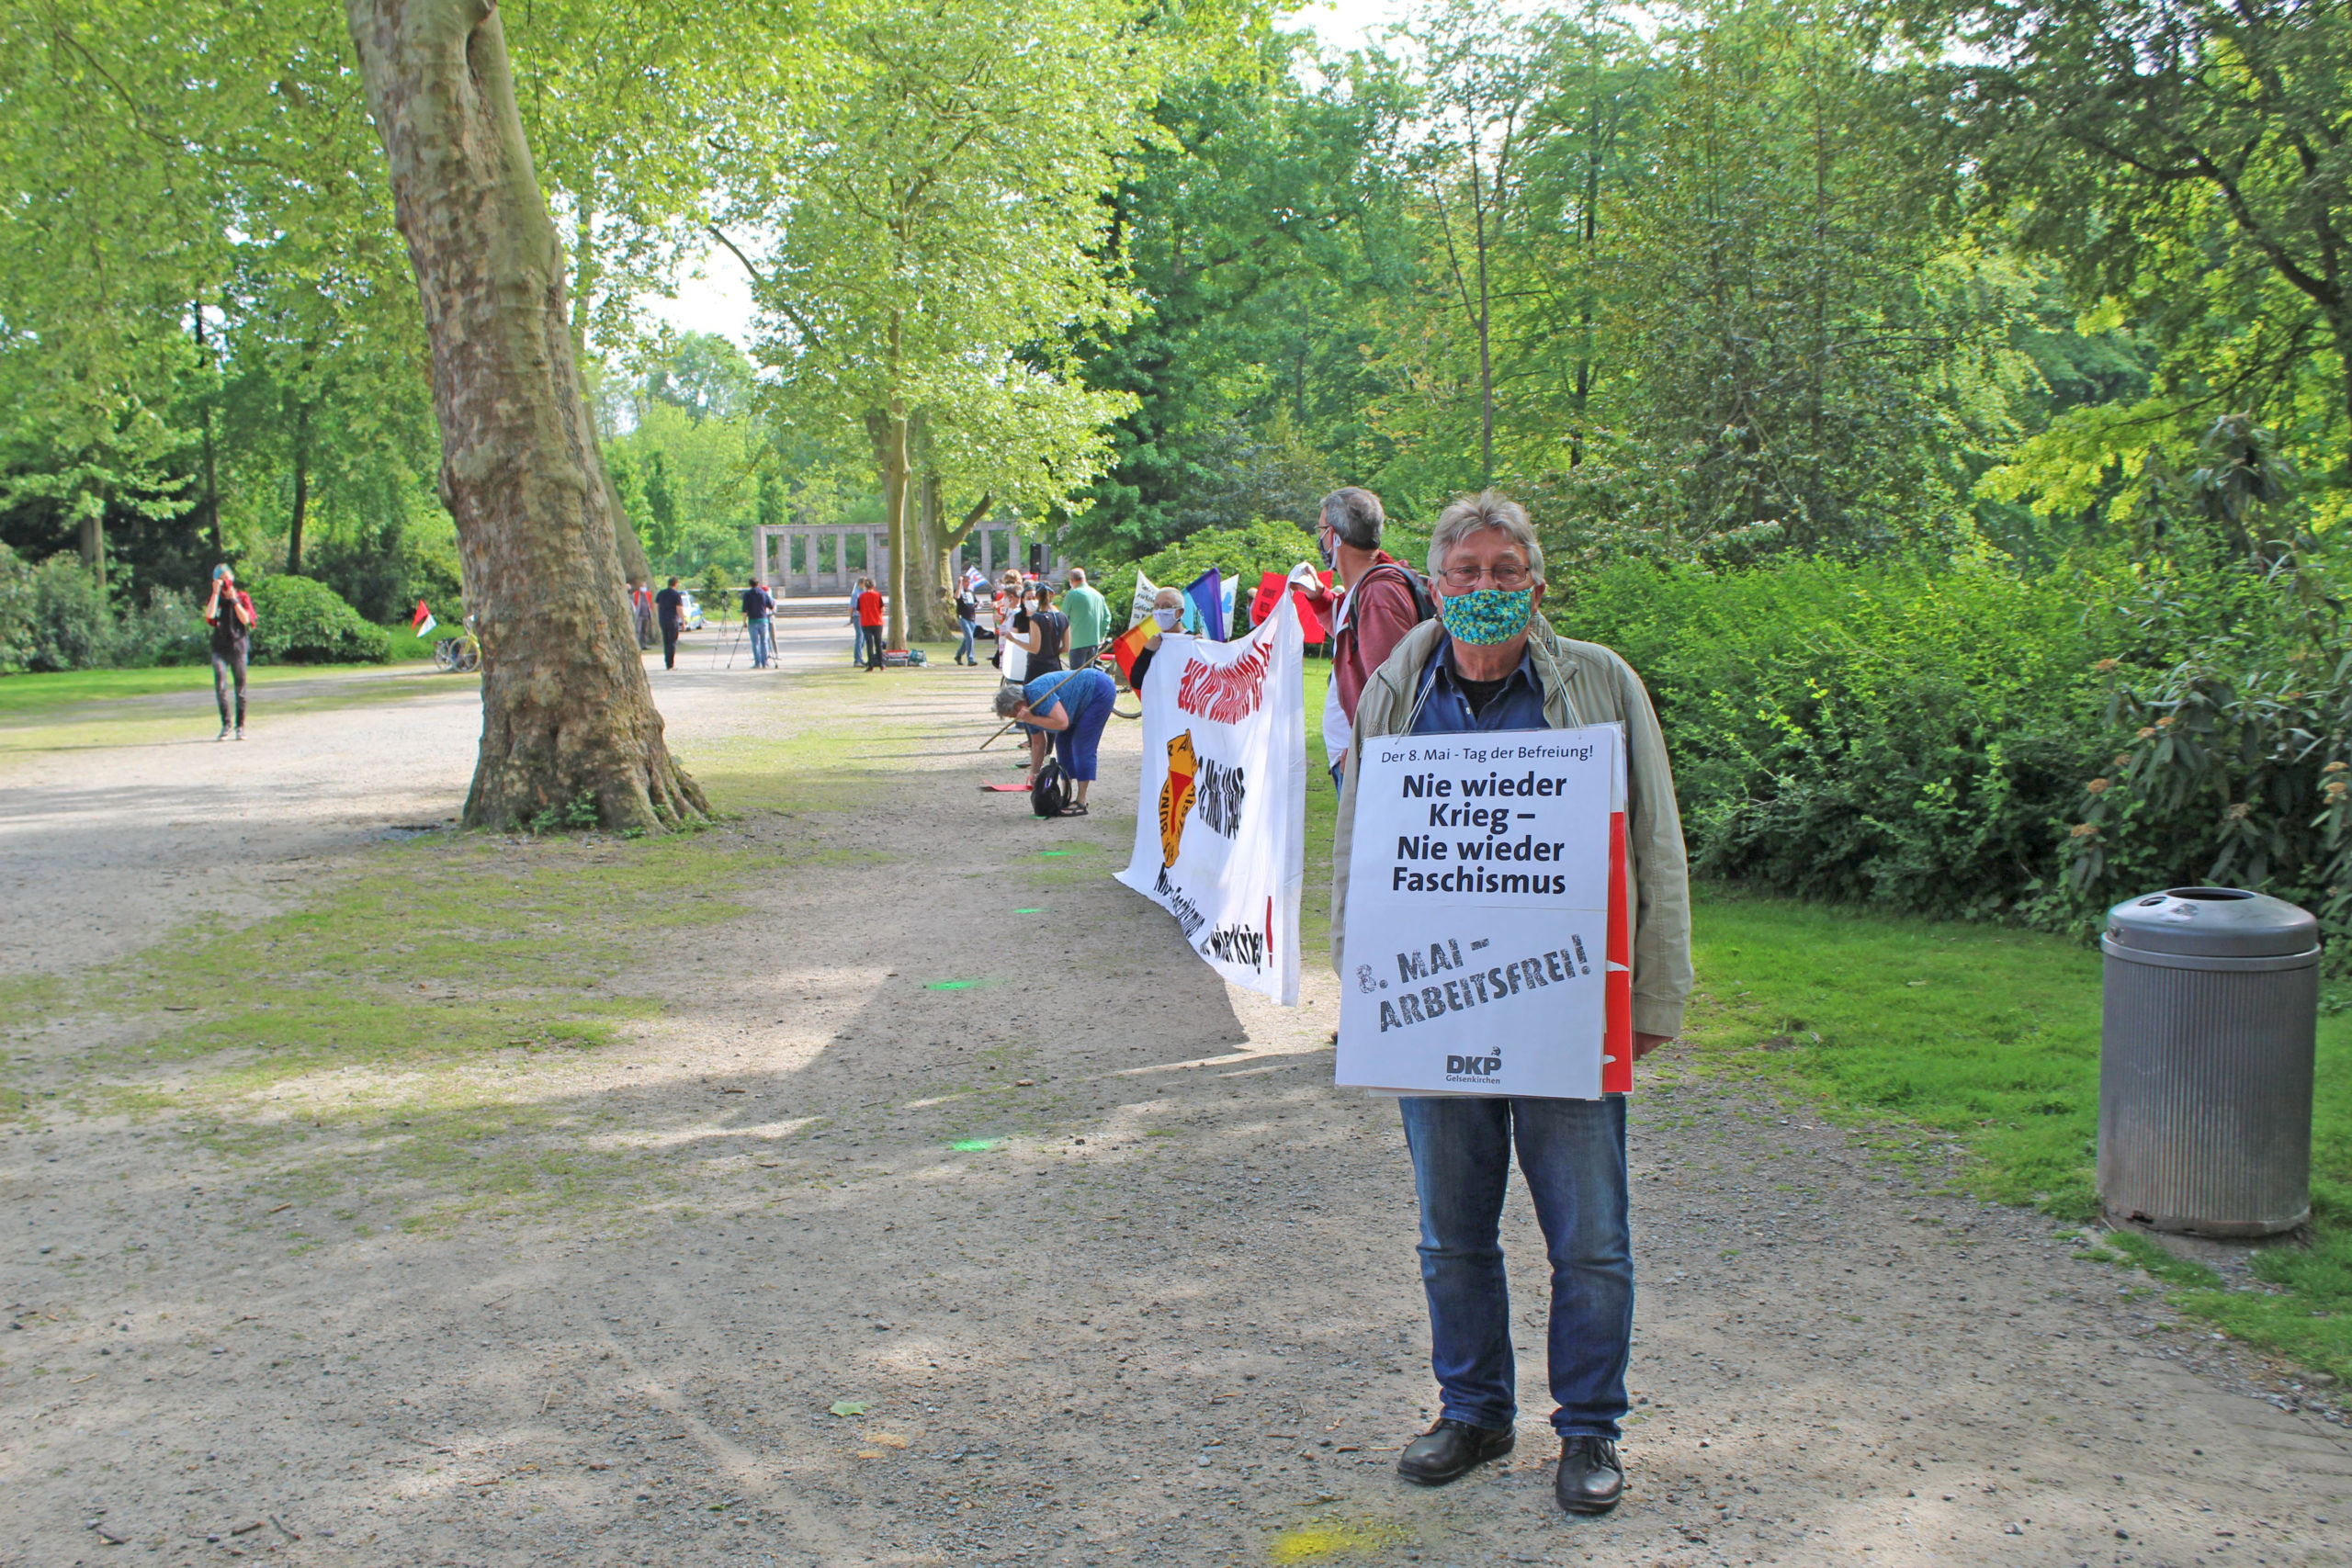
230,613
758,605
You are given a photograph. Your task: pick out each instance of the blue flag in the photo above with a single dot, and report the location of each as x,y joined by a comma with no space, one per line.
1207,597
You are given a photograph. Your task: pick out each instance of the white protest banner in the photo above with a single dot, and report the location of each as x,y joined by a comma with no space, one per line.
1221,821
1486,936
1139,609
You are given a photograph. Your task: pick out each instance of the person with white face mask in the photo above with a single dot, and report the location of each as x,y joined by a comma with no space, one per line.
1168,615
1011,631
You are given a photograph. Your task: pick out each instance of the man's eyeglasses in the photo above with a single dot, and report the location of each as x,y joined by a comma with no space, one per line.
1507,575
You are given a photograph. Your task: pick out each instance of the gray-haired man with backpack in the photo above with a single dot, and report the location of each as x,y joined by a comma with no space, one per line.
1384,598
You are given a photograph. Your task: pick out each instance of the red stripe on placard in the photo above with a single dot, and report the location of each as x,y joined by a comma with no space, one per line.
1617,1033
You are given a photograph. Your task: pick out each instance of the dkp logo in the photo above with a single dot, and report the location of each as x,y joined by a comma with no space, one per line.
1473,1067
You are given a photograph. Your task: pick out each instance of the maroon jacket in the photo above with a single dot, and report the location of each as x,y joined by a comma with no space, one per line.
1381,612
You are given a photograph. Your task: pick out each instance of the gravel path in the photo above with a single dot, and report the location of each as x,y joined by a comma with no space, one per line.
1170,1315
132,819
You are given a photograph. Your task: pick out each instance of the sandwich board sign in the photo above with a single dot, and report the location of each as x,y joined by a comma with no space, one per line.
1488,939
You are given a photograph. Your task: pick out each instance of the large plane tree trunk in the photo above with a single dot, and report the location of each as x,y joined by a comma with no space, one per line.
940,541
929,617
567,711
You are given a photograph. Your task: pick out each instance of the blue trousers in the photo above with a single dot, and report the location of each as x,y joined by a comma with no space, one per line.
964,652
1086,696
762,641
1573,1153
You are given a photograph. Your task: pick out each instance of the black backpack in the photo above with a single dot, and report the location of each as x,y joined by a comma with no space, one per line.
1049,797
1424,601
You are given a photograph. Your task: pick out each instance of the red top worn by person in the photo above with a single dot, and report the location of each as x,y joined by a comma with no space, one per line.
869,607
1383,601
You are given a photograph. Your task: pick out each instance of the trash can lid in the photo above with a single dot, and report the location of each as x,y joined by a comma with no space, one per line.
2212,922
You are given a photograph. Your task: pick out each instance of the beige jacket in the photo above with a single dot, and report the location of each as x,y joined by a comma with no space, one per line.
1583,684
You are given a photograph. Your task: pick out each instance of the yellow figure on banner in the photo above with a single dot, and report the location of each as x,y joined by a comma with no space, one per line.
1176,796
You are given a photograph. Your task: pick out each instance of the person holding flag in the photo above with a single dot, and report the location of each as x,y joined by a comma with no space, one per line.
1490,664
1135,649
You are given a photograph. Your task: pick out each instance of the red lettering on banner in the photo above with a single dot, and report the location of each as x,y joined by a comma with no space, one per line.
1224,694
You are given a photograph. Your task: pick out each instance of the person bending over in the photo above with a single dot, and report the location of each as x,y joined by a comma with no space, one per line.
231,615
1073,707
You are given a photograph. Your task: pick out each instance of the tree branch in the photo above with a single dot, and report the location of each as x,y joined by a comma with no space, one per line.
781,306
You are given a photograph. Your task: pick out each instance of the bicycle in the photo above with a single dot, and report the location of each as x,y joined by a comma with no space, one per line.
458,655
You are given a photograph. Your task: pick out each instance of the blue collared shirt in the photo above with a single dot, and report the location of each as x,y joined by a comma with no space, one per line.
1444,709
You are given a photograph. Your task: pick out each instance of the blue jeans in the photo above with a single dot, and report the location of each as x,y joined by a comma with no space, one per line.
762,641
1573,1154
965,651
1086,697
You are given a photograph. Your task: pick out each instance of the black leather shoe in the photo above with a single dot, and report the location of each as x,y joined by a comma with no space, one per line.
1449,1451
1591,1479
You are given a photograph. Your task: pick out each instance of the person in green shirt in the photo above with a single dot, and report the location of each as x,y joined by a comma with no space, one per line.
1090,619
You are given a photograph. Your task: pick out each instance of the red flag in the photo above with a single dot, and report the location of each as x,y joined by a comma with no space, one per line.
1270,588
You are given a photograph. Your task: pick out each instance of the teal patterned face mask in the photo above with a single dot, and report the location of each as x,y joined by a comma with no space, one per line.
1487,616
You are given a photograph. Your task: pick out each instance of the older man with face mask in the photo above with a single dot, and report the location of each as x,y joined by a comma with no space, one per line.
1168,616
1489,663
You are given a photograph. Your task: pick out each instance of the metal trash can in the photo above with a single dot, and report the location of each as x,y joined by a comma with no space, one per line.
2211,1006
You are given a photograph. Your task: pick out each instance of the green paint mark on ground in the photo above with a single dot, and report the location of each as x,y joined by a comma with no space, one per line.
951,985
975,1145
1050,854
1028,911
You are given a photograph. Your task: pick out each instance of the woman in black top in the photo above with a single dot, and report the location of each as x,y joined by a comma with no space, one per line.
1048,634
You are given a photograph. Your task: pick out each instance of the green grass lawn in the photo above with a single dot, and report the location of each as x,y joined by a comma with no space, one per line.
1975,1037
23,695
1988,1039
